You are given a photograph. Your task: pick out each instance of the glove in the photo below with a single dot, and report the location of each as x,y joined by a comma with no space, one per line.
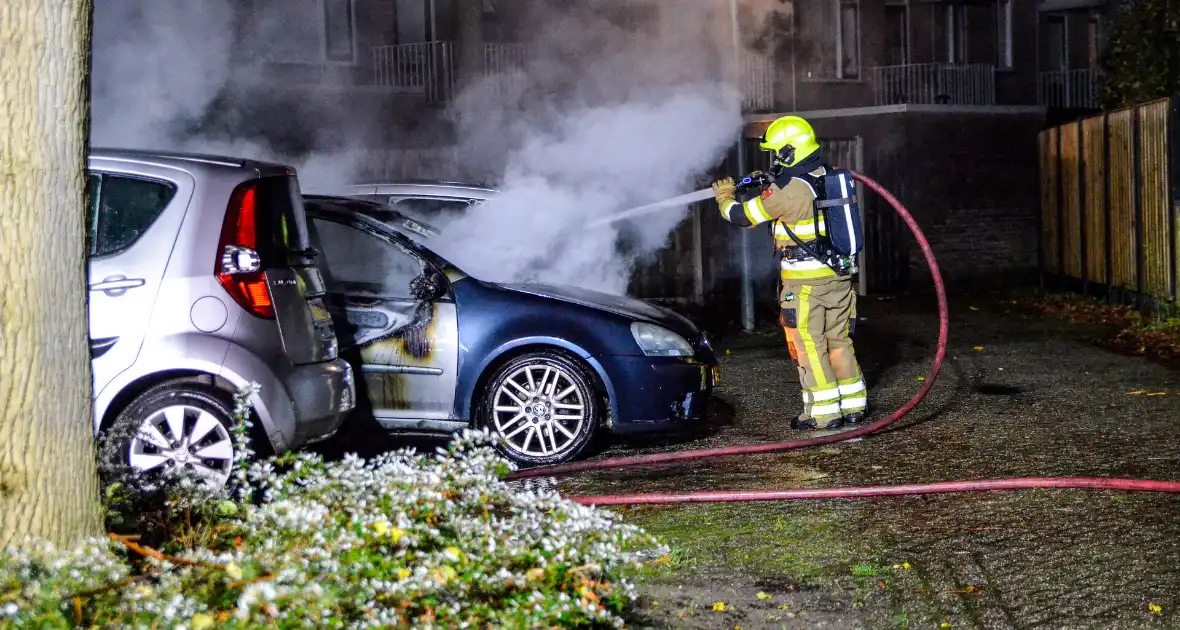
752,185
723,191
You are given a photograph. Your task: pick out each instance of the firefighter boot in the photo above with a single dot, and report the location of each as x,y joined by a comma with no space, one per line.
807,423
855,417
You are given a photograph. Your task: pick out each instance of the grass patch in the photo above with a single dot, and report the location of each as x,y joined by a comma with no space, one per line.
1155,334
808,543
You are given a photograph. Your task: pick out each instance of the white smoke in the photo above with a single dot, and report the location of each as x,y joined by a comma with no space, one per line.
597,160
604,115
607,112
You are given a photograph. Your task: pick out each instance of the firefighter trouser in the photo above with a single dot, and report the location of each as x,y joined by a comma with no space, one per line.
817,319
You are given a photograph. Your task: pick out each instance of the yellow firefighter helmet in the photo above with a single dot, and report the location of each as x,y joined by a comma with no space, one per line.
790,138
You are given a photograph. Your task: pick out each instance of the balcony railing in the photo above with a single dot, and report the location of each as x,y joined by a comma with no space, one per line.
935,84
1074,89
757,75
501,58
429,68
426,67
503,68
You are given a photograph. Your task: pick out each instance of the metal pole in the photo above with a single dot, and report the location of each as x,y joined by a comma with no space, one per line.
747,235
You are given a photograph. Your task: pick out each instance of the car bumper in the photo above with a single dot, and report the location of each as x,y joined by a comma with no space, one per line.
323,394
657,394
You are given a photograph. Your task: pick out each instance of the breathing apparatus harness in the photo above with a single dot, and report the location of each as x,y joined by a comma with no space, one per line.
835,205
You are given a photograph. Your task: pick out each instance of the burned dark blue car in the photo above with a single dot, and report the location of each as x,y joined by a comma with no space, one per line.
545,367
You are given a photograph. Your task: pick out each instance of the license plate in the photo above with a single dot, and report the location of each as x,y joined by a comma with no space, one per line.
318,312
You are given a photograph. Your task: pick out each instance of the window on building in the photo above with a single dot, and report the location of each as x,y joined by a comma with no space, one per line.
849,39
830,38
339,31
1056,44
897,41
1004,34
1094,39
956,29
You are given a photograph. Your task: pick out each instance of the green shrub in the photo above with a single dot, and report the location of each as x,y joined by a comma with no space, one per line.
403,540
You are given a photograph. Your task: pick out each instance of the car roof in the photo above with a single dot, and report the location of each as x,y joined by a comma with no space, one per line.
425,188
177,158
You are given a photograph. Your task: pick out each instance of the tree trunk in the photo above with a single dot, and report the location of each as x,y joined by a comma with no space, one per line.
48,478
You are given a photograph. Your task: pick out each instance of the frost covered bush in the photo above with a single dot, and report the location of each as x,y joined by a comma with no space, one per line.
402,540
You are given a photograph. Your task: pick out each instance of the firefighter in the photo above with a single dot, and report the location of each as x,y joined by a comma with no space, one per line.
818,305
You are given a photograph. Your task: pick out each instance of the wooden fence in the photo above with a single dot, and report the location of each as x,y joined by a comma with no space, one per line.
1109,203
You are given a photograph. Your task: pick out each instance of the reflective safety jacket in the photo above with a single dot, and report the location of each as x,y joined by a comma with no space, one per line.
792,206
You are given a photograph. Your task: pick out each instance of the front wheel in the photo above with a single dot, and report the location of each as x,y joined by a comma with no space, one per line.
543,406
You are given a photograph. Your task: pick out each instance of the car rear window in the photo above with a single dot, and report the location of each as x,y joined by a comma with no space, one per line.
121,209
284,220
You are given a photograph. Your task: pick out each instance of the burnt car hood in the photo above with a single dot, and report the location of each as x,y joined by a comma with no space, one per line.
617,304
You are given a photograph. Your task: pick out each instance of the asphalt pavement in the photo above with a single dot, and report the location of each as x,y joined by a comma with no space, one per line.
1020,395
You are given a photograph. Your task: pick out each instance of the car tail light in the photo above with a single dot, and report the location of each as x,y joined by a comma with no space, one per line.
239,265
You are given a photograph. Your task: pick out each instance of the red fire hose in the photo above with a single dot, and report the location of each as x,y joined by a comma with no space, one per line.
773,447
1096,483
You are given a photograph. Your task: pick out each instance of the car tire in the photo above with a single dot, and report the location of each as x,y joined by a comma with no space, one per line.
187,424
520,409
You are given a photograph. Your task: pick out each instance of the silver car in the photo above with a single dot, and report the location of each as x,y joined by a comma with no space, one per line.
202,281
435,201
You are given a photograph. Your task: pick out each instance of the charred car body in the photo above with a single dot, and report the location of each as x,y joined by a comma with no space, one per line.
546,367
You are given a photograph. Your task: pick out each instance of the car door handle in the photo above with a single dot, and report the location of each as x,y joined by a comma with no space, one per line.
99,347
115,286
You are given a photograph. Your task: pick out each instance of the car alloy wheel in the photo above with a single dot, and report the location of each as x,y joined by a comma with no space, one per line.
543,407
177,426
183,437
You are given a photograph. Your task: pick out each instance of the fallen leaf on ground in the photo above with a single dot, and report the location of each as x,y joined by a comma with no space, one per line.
979,348
974,308
719,607
762,595
1155,608
1158,394
881,584
904,565
921,378
1137,392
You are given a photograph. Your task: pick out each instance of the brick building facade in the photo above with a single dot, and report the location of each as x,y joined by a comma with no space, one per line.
944,97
